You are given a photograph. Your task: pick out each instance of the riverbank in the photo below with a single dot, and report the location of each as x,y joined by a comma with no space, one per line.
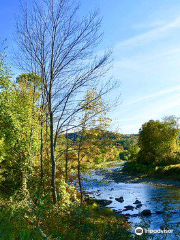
125,173
137,173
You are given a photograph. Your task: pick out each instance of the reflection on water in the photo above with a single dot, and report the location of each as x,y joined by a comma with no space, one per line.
152,197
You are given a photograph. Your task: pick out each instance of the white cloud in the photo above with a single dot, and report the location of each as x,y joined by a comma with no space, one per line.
150,35
145,60
167,106
134,117
145,64
153,96
157,23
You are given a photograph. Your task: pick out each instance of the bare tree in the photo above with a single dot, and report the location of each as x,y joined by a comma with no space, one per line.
59,46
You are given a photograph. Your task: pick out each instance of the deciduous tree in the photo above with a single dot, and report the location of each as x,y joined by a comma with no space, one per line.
59,46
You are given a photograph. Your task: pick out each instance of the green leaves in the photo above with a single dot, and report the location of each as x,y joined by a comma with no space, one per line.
158,141
19,131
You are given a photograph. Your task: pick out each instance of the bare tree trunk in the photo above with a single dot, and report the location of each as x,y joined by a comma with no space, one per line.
47,136
41,156
79,174
53,180
66,166
66,157
79,169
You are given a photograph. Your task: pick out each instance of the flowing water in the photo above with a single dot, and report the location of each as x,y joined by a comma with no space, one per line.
153,197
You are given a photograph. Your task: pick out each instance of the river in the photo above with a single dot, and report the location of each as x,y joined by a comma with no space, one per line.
161,199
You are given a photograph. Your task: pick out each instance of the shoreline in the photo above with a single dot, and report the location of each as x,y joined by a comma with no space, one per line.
119,176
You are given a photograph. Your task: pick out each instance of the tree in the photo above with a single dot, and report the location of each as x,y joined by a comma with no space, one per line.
93,122
32,83
158,141
19,133
59,46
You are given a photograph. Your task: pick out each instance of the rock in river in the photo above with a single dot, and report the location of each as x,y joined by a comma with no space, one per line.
129,207
138,205
159,211
137,202
121,199
102,202
146,212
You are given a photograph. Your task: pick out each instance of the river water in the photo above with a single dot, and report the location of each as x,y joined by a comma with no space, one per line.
152,197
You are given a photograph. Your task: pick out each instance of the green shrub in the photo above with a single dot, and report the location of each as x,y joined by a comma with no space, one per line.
25,220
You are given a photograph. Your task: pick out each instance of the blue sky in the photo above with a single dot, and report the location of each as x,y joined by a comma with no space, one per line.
145,37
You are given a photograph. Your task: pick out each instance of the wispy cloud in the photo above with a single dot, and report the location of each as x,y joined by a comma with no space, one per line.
155,111
154,24
145,63
159,59
150,35
170,105
153,96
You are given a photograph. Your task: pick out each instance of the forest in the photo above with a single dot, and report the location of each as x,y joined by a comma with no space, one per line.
62,165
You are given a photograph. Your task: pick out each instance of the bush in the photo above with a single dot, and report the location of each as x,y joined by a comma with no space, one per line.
14,225
25,220
171,171
137,168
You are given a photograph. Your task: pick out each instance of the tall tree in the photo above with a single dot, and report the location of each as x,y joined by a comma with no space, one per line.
59,46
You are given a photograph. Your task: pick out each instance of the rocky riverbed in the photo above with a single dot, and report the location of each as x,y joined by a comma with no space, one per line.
144,202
